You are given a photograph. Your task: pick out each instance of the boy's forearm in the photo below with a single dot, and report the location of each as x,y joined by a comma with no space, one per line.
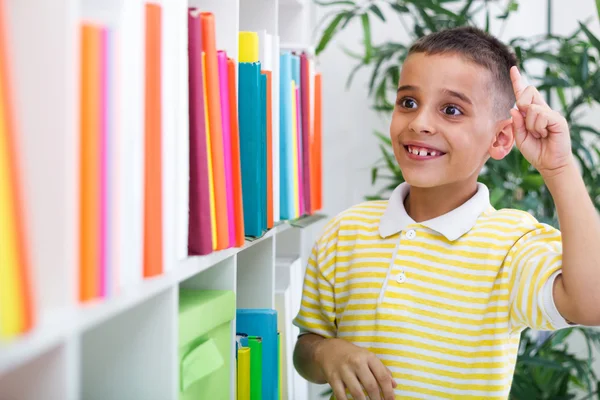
305,356
576,292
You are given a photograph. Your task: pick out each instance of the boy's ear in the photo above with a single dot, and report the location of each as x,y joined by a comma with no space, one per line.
504,140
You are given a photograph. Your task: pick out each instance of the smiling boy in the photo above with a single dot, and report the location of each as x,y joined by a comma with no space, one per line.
425,295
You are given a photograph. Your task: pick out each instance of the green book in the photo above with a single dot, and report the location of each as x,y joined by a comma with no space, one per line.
255,344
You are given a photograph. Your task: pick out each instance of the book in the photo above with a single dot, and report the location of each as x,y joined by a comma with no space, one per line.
318,132
226,123
243,373
200,238
89,163
295,152
153,204
238,204
305,100
268,121
256,368
286,139
211,177
263,155
263,323
213,102
16,302
275,109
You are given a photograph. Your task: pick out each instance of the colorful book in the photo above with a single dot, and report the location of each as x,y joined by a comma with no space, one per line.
317,152
243,373
90,163
286,139
104,163
200,224
305,100
216,128
268,116
263,323
263,151
211,176
16,305
153,224
226,123
295,151
300,154
256,367
252,138
275,109
238,204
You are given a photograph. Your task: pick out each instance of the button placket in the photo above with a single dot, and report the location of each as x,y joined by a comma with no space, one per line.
400,277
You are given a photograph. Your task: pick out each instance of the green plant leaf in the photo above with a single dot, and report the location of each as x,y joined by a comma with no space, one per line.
329,31
334,3
377,11
367,35
593,39
428,20
598,8
384,138
402,9
373,175
390,161
464,13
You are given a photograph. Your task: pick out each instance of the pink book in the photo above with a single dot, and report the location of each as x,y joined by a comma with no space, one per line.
200,225
300,158
103,160
224,90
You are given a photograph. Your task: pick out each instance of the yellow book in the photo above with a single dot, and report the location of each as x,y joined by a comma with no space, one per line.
243,373
211,183
295,151
248,42
12,320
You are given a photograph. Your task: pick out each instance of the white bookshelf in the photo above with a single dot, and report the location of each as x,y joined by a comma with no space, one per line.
123,347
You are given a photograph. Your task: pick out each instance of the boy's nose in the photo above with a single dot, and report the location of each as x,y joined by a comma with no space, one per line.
422,124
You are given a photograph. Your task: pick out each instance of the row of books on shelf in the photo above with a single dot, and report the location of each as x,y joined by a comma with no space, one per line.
252,159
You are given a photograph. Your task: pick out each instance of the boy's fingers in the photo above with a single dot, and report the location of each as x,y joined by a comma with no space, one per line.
351,382
384,378
339,390
517,81
369,382
518,126
529,96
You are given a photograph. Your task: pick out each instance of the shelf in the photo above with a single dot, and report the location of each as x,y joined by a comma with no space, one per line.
55,328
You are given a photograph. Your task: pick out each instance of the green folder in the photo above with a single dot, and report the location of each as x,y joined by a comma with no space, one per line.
255,344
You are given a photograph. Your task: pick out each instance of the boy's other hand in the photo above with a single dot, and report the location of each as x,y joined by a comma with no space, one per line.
346,365
541,134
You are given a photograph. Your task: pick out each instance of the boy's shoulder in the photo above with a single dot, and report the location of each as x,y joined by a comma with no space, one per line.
366,214
520,222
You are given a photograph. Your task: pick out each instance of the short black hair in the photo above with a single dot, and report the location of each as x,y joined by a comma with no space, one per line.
479,47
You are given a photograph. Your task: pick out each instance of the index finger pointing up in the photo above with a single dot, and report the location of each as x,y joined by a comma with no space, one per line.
517,81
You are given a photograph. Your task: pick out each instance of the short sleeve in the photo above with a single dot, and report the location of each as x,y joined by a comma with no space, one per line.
535,261
317,308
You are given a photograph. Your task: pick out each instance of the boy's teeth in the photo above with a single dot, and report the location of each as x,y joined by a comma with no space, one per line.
423,153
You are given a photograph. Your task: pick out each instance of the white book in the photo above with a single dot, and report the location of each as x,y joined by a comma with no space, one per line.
275,115
283,305
169,48
131,149
183,137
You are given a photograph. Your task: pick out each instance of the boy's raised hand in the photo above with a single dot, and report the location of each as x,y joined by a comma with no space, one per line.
542,134
346,365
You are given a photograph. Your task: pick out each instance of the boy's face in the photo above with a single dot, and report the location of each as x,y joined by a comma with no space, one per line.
444,126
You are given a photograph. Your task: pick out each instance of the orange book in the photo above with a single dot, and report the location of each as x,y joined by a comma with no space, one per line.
16,304
89,181
153,254
317,151
238,205
269,106
216,133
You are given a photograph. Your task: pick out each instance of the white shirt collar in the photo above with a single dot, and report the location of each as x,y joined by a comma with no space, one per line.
452,225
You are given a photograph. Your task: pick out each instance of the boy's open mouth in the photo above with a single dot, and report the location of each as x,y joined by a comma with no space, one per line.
422,153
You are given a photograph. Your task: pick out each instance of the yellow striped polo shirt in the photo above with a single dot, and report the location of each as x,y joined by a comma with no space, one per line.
442,303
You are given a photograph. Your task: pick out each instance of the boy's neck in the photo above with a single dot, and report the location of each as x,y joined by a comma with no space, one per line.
424,204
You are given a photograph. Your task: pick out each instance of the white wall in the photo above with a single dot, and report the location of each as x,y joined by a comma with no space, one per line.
349,146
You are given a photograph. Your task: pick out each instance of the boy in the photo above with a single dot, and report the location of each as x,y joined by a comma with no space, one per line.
425,295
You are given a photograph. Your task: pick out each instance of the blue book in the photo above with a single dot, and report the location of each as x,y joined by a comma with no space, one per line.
263,323
251,142
263,149
286,146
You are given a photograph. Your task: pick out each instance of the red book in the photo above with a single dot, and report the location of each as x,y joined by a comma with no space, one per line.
200,226
238,205
153,252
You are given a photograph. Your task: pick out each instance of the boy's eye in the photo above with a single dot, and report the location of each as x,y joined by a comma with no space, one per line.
452,110
408,103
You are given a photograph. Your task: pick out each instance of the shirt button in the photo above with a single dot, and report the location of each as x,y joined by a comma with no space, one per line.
410,234
401,278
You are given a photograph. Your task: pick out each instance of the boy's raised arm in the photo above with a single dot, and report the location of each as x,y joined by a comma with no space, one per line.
542,135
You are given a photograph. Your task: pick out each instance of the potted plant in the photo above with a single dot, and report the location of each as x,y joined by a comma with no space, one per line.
546,367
